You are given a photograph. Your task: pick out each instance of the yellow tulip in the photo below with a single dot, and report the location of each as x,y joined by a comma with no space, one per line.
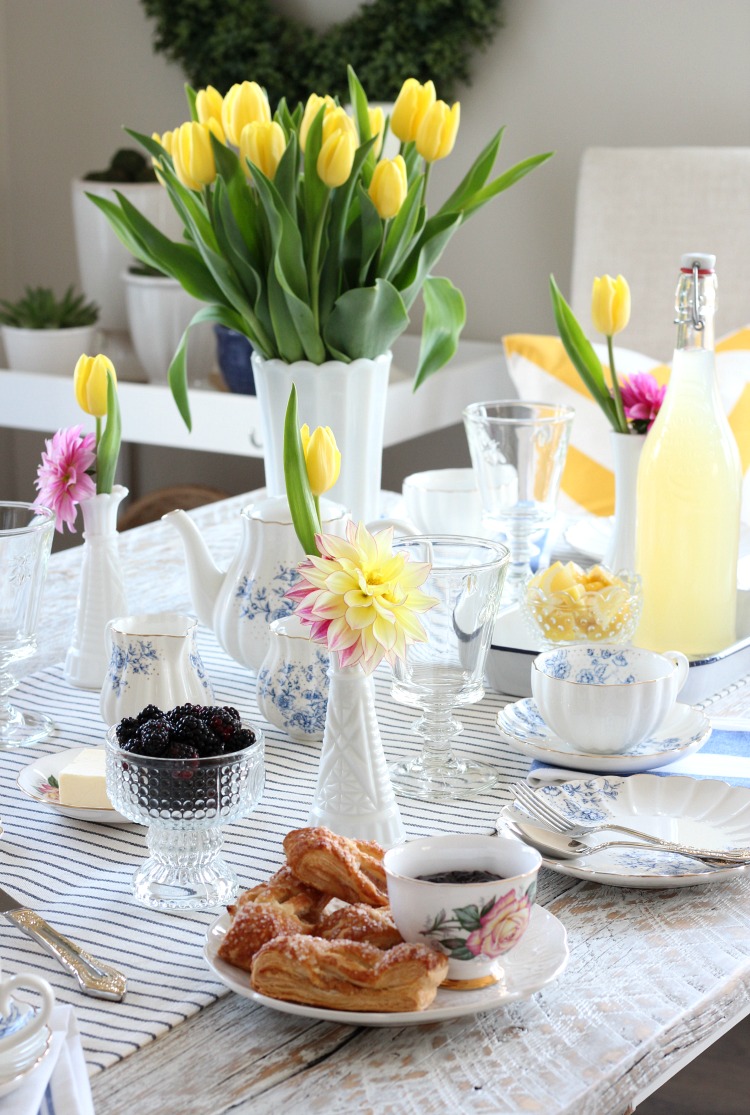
336,158
388,187
192,154
208,104
377,127
263,144
610,305
90,383
312,108
438,130
166,140
244,104
322,458
410,108
338,120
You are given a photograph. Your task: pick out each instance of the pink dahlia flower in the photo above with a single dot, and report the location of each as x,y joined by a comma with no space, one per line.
360,599
641,396
62,477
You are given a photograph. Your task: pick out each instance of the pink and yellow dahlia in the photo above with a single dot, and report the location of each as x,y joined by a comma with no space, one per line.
360,599
62,477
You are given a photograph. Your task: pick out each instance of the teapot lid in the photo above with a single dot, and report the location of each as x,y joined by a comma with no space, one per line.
275,509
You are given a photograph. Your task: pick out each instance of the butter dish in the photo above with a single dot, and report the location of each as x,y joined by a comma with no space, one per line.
40,781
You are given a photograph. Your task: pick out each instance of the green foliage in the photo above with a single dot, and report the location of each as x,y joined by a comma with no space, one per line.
385,41
126,165
301,500
40,309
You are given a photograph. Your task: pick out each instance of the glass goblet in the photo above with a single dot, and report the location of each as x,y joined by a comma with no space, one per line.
466,578
185,803
518,452
25,543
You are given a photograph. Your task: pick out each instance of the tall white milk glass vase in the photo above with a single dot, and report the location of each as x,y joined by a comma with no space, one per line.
351,399
354,796
627,453
101,595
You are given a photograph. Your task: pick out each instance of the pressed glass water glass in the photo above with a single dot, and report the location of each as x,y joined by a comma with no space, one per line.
466,578
25,543
185,803
518,452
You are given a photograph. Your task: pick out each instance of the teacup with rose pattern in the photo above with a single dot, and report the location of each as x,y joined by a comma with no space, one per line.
474,923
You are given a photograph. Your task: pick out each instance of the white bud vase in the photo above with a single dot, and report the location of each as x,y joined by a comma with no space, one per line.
101,595
627,454
354,796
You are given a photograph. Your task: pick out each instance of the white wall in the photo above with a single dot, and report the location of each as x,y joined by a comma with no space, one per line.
562,74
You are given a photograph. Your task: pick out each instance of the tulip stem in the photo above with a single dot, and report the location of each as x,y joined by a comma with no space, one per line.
425,179
619,408
314,276
98,431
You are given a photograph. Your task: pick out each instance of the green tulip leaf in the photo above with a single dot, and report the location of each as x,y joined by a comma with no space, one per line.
475,177
370,235
108,449
287,173
288,343
431,244
582,355
299,494
192,97
504,182
444,318
403,228
365,322
177,373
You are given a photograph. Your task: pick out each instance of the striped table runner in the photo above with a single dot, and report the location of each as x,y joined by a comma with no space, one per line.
78,874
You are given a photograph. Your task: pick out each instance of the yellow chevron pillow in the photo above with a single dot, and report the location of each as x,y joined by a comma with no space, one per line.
540,369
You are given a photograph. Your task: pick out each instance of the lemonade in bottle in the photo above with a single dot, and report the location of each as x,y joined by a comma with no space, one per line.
689,490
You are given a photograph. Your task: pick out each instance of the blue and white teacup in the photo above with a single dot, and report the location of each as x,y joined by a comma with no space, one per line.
605,699
23,1027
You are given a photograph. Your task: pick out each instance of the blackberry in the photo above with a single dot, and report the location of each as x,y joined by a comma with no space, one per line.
243,737
126,730
154,737
150,712
189,756
223,722
181,711
193,732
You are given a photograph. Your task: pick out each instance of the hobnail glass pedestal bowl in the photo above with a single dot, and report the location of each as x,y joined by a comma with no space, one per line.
606,614
185,803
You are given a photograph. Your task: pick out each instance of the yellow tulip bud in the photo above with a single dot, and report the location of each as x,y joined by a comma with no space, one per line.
322,458
312,108
388,187
208,104
166,140
338,120
377,127
610,305
192,154
263,144
336,158
410,108
438,130
90,383
243,104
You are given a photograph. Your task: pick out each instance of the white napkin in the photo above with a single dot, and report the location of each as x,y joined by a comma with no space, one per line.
60,1085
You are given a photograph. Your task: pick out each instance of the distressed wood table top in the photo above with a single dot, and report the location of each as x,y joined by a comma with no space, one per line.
654,975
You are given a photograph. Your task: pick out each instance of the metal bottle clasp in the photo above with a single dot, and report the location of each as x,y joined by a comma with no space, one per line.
698,322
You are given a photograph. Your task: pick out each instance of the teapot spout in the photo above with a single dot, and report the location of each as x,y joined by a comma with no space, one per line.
204,579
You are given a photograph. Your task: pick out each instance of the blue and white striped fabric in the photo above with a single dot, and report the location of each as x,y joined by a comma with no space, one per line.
78,874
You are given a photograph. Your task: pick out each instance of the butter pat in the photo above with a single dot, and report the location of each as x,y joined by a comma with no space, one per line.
83,783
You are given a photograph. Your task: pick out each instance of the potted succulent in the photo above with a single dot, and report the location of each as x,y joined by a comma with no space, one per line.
159,311
42,333
102,259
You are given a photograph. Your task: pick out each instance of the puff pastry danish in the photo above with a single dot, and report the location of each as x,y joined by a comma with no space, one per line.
254,924
347,975
285,889
348,869
372,925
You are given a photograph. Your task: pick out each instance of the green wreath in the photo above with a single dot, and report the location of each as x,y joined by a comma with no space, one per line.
385,42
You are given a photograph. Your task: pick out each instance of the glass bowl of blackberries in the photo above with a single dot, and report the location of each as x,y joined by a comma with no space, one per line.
185,773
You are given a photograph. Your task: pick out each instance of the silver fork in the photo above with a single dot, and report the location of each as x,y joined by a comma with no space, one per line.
541,810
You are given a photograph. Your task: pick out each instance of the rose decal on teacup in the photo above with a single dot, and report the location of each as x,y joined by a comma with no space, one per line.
494,928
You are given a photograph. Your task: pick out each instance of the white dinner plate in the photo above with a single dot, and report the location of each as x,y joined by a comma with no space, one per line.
683,732
34,781
703,812
538,958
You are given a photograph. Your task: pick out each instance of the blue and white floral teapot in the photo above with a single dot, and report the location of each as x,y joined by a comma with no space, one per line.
240,603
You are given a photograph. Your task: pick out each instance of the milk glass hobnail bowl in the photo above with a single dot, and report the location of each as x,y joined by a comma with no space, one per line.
466,578
185,803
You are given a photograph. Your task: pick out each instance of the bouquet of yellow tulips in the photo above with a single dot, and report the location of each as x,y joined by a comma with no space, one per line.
298,235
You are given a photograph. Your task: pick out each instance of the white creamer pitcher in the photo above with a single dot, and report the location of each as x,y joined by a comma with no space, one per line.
154,660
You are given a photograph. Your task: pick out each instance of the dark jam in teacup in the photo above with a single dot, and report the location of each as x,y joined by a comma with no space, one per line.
459,876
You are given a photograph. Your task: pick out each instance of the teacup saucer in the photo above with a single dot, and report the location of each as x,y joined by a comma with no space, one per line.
683,732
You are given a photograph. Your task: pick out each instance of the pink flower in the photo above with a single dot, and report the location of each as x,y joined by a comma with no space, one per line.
641,396
62,478
501,927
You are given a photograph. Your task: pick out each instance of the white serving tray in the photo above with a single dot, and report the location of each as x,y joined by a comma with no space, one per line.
513,649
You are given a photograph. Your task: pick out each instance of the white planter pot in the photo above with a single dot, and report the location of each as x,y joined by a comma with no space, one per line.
351,399
101,256
159,311
52,352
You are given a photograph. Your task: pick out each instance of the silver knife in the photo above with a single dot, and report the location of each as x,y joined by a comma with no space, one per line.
93,976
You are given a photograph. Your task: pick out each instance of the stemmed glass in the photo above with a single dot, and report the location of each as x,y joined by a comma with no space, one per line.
466,578
518,452
25,544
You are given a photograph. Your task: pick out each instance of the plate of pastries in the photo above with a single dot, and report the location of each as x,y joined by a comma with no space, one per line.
318,939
